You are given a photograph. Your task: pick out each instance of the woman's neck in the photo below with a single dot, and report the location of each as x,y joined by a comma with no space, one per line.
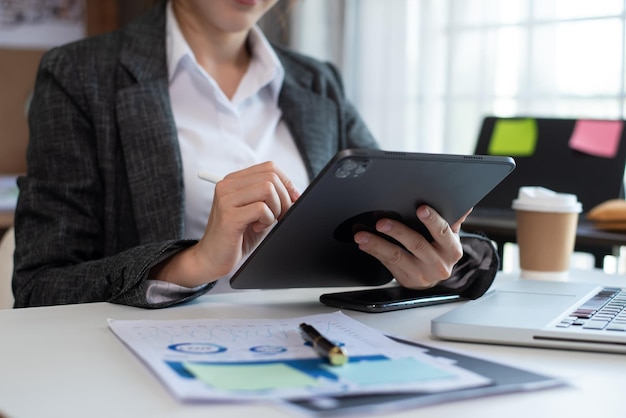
223,55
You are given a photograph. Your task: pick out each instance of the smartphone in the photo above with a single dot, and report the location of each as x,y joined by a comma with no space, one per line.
390,298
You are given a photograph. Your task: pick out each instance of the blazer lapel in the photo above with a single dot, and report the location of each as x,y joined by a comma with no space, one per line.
148,132
152,161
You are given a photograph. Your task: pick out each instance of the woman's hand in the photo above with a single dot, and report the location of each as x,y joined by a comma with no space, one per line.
423,264
246,205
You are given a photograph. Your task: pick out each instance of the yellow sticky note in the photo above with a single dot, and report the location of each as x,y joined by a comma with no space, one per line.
513,137
250,376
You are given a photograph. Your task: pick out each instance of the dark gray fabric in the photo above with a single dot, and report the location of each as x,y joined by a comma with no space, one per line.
103,196
476,270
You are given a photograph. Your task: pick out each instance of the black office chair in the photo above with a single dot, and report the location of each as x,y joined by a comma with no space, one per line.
556,166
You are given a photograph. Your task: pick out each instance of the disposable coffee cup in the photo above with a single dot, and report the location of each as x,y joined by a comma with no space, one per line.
546,232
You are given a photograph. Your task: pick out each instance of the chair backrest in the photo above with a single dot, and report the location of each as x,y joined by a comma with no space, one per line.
7,247
552,161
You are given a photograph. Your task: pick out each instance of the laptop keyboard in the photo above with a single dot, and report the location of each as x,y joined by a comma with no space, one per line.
605,311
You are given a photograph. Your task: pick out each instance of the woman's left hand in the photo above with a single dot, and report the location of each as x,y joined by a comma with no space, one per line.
423,264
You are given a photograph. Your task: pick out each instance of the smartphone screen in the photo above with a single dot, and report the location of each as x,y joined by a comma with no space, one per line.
389,298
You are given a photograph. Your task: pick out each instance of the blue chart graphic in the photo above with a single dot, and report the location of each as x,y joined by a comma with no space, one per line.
268,349
197,348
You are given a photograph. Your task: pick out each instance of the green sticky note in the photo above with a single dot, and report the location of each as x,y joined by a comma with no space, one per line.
250,376
389,371
513,137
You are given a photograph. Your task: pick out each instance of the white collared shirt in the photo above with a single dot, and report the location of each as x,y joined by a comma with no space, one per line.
220,135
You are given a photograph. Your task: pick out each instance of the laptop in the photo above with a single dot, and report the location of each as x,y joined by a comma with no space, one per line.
563,315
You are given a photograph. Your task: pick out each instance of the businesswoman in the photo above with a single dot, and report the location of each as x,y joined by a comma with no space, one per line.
111,209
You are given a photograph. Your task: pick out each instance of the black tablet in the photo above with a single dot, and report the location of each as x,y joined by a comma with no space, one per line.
313,245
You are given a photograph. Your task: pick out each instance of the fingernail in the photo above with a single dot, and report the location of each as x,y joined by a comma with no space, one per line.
424,212
384,226
361,238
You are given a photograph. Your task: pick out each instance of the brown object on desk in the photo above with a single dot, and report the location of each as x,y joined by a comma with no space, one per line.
609,215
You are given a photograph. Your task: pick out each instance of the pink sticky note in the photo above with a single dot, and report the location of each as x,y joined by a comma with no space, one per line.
597,137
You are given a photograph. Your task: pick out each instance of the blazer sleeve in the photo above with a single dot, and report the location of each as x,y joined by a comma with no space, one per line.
61,252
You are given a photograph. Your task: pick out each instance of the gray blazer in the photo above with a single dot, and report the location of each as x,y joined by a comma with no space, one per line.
103,201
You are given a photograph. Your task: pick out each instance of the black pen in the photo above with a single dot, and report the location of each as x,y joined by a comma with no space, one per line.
335,355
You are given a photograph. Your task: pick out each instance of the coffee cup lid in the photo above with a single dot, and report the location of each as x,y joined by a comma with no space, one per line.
540,199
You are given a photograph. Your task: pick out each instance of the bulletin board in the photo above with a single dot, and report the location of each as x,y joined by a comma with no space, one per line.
585,157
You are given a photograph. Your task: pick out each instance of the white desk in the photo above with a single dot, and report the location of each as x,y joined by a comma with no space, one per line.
64,362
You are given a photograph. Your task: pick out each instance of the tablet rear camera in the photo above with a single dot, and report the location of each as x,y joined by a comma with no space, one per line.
352,168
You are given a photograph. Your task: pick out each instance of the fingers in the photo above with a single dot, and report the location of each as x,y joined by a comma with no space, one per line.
265,172
259,195
421,264
261,199
246,204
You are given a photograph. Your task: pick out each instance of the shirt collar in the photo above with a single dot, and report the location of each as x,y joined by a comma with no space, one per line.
264,59
267,60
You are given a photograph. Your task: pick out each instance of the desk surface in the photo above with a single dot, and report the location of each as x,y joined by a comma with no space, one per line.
64,362
501,223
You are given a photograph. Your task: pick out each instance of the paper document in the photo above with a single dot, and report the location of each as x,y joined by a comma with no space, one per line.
248,359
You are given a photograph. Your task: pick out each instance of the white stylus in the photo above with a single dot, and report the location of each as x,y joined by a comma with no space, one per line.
210,177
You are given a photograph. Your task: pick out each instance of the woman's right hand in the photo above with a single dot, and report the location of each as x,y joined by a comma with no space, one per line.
246,205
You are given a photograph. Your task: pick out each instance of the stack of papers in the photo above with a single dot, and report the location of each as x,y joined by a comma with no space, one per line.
251,359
